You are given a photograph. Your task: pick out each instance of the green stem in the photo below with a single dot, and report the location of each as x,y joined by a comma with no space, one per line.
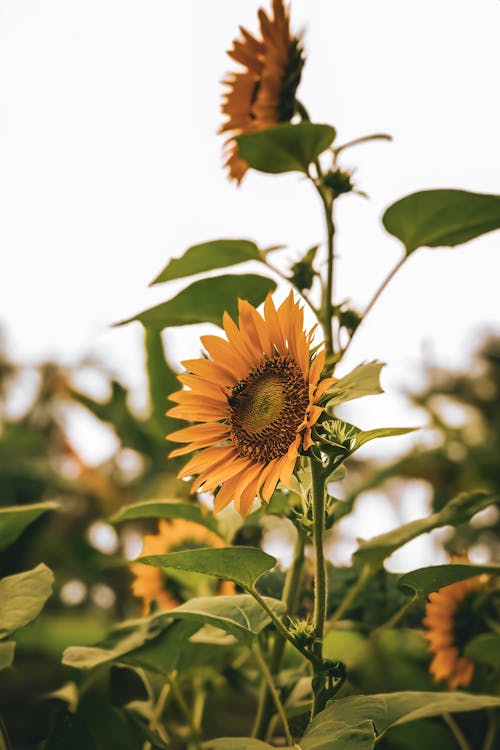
290,596
351,595
4,737
362,139
397,616
375,297
195,737
277,622
272,689
283,276
490,733
320,581
456,732
155,721
327,302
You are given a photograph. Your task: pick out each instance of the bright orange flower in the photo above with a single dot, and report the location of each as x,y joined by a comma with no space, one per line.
256,400
172,536
263,94
444,620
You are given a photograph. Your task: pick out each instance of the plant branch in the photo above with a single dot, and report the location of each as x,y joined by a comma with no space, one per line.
456,732
268,678
320,582
195,736
277,622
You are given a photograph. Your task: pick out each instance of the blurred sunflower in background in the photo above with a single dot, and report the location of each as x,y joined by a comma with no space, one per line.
453,616
173,536
256,400
263,93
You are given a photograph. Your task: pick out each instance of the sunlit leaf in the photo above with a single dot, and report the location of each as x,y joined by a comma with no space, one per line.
166,509
285,147
162,380
364,380
14,519
207,256
243,565
458,510
22,597
437,218
238,615
426,580
206,300
382,712
237,743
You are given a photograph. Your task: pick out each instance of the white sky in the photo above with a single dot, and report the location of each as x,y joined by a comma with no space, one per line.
109,166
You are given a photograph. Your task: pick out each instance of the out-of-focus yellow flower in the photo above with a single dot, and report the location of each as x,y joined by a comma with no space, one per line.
256,400
447,625
172,536
263,93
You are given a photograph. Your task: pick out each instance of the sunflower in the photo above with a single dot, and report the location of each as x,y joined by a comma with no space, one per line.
450,622
172,536
263,94
256,400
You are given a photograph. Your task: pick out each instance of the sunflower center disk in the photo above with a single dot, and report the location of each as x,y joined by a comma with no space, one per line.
267,407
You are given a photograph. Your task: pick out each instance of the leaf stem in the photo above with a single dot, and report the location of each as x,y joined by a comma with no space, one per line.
375,297
456,731
490,733
195,736
272,689
362,139
279,625
155,721
320,580
351,595
398,615
283,276
326,312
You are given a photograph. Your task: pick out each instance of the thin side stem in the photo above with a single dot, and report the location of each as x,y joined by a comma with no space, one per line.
352,594
397,616
195,737
283,276
327,302
277,622
290,596
456,732
362,139
320,582
272,689
375,297
490,733
155,722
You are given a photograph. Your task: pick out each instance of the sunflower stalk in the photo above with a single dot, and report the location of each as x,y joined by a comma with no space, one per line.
320,585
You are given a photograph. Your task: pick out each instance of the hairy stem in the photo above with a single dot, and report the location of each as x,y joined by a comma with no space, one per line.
268,678
277,622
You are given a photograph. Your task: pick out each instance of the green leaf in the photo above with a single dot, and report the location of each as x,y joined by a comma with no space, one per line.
162,653
162,380
426,580
484,649
381,713
340,439
243,565
364,436
166,509
88,657
22,597
7,649
458,510
437,218
207,256
285,147
238,615
364,380
15,518
206,300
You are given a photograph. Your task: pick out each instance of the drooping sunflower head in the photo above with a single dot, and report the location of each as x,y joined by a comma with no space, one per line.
255,400
451,620
263,93
178,534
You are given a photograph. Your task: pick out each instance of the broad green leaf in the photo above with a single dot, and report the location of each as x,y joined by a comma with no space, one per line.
88,657
22,597
205,301
364,380
285,147
386,710
437,218
7,649
460,509
484,649
238,615
166,509
207,256
337,735
243,565
426,580
15,518
162,653
68,693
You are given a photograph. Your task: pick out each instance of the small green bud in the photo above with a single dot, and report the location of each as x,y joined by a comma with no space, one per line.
339,181
302,631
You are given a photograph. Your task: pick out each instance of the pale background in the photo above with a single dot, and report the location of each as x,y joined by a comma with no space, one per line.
109,166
